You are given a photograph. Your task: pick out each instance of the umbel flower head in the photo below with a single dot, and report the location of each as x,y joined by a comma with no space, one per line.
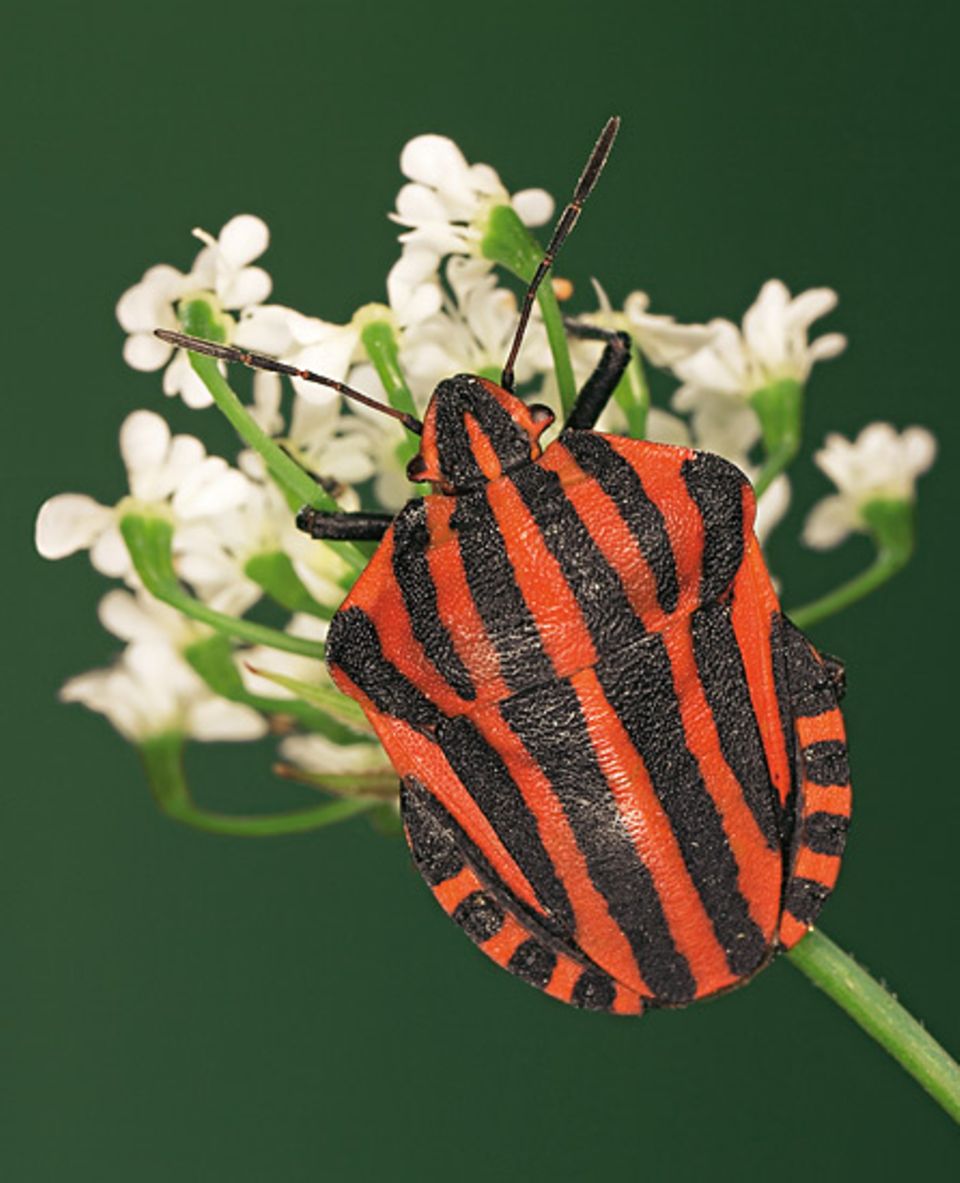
221,273
879,466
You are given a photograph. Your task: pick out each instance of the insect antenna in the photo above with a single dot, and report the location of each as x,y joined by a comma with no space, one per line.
565,223
260,361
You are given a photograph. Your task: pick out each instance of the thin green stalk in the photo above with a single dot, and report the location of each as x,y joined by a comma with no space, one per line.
163,760
884,567
380,344
149,541
779,408
774,464
297,484
881,1016
557,337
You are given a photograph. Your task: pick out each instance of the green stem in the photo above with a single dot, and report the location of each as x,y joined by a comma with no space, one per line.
163,759
779,408
297,484
775,463
557,337
149,541
884,567
881,1016
380,344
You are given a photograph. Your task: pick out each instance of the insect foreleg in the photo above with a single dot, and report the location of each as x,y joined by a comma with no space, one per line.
603,381
343,527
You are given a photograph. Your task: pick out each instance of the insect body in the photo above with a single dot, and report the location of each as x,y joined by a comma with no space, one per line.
623,770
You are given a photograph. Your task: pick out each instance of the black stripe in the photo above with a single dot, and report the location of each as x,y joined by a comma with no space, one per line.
466,395
619,480
441,848
597,588
493,586
716,486
432,844
825,762
812,688
641,693
534,963
826,833
784,693
593,991
551,726
353,645
488,781
724,680
479,915
411,540
805,898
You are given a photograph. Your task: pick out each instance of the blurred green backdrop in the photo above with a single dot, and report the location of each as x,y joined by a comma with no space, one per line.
185,1007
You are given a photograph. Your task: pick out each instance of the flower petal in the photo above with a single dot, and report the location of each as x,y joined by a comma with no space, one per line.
252,285
829,522
144,351
213,719
533,206
144,440
243,239
69,522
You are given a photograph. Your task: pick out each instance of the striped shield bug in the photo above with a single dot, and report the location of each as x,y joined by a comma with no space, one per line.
623,770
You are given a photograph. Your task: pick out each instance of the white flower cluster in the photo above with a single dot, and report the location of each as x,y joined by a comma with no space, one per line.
447,313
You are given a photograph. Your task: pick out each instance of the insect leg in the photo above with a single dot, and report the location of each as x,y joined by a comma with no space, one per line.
473,895
602,382
344,527
822,783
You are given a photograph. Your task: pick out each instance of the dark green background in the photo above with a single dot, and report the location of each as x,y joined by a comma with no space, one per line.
179,1006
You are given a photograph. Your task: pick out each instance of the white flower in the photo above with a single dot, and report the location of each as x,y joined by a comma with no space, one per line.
137,616
152,691
173,474
879,466
211,554
659,337
219,275
771,347
222,267
252,663
317,755
302,341
445,206
471,333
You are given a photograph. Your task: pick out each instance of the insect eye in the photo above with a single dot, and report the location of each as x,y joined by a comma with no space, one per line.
541,415
416,468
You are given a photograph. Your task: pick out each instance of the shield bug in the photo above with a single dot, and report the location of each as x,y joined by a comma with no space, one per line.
622,768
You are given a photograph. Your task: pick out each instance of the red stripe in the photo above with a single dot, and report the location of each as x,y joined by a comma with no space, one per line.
560,623
816,728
